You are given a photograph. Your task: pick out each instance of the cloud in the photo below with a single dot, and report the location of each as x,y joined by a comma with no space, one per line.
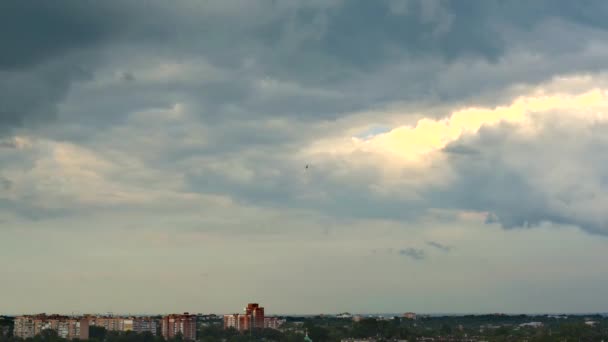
413,253
127,76
526,181
473,160
5,184
342,66
215,113
508,162
46,49
411,144
409,252
439,246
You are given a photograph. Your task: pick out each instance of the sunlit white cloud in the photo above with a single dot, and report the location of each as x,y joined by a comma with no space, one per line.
412,144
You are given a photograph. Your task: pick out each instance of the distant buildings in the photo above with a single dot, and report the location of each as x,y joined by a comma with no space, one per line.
184,324
409,315
135,324
252,318
78,327
591,323
273,322
532,325
65,326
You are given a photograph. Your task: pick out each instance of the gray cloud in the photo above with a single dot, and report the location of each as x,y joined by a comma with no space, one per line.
346,66
460,149
127,76
409,252
307,63
5,184
523,181
413,253
439,246
8,144
45,48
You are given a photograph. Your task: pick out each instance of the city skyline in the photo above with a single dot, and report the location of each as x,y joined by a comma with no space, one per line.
316,156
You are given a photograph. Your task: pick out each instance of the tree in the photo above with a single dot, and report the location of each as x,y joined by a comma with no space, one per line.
502,331
98,333
366,328
445,329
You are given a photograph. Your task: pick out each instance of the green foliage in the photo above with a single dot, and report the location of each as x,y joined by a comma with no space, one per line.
502,331
445,329
97,333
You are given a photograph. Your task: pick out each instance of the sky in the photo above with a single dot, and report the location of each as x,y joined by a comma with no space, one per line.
153,156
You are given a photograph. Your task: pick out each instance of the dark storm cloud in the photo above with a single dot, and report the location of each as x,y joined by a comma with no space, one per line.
29,96
345,46
302,61
44,50
32,33
523,182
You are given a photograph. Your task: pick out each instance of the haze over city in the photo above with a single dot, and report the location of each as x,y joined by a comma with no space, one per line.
315,156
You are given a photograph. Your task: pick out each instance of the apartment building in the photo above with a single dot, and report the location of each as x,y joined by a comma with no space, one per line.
256,314
135,324
252,318
273,322
184,324
240,322
145,324
66,327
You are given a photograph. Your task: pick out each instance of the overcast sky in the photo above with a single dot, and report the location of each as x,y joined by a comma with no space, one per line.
153,156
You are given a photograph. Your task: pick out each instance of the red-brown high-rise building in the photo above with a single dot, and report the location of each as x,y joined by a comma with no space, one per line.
256,313
253,318
185,324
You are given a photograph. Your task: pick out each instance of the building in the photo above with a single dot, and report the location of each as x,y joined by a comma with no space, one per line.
252,318
409,315
256,314
135,324
145,324
24,327
175,324
107,322
66,327
231,321
273,322
243,322
240,322
532,325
